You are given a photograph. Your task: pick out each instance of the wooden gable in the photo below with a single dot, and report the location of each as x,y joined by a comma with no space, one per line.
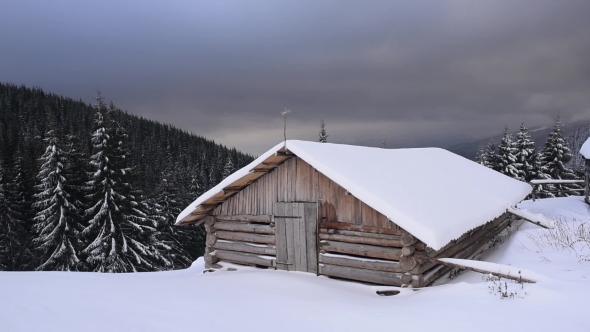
297,181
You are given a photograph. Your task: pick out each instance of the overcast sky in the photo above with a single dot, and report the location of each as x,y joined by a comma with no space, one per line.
413,73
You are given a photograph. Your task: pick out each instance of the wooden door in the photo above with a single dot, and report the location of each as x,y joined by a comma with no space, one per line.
296,236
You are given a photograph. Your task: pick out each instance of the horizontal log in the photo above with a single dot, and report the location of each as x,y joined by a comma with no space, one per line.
364,250
479,238
469,252
485,271
245,247
407,251
351,273
407,239
265,218
361,264
359,228
474,251
475,233
235,226
359,233
361,240
245,237
243,258
407,263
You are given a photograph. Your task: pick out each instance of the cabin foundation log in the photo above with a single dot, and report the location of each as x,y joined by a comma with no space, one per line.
244,258
365,263
370,276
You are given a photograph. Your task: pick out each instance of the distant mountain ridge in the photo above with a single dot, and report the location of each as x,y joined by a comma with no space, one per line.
539,135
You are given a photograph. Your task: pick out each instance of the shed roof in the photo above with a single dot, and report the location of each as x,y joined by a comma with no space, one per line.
432,193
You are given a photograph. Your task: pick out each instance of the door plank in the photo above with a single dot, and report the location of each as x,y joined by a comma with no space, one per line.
311,213
290,236
281,236
302,238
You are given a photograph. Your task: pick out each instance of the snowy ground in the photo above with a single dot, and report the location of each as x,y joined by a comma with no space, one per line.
266,300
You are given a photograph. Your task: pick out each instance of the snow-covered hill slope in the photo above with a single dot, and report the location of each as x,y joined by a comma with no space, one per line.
266,300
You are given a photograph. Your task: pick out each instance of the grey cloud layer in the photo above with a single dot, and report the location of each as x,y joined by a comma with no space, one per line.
412,72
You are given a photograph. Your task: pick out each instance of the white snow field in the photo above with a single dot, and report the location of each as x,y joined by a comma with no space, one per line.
252,299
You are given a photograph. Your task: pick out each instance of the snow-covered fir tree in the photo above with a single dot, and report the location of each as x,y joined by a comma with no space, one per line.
323,137
77,177
169,206
487,156
480,156
56,228
554,157
122,238
196,187
526,155
4,226
576,140
18,220
506,158
229,167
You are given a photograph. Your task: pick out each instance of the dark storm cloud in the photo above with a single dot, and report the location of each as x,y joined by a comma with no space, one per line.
411,72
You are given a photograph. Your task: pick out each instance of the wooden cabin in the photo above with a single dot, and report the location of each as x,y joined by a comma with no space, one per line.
372,215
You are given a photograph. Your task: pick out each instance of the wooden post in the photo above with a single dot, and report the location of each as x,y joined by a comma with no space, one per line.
586,189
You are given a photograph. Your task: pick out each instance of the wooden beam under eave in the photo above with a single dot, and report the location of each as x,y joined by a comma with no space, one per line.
229,190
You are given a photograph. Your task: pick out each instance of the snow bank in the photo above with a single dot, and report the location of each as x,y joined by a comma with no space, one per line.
432,193
585,149
251,299
570,208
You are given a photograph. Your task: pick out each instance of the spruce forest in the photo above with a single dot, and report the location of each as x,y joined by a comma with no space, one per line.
519,158
92,188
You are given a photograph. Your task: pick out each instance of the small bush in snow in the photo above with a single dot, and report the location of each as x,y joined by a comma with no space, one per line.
571,236
502,288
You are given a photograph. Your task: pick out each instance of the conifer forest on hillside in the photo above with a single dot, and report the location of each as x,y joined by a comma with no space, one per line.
92,188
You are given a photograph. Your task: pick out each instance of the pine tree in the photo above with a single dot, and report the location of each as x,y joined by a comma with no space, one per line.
122,237
525,154
555,156
55,225
323,135
506,156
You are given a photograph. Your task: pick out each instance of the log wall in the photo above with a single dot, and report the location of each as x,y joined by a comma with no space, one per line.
297,181
248,240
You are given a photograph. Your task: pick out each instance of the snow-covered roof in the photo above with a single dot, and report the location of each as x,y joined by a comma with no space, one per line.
585,150
432,193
